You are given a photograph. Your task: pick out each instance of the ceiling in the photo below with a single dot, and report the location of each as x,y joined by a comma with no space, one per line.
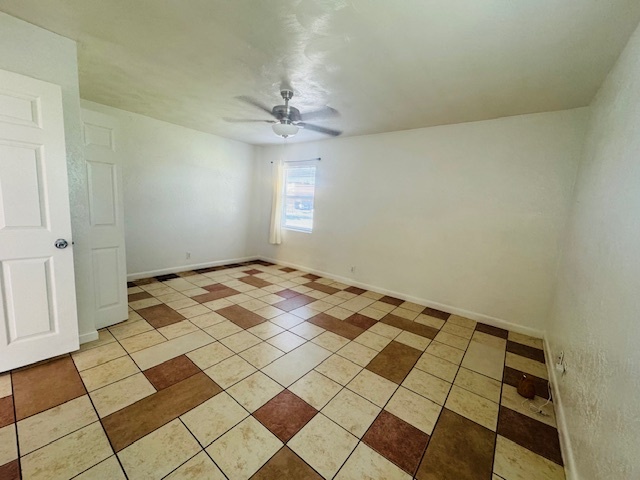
385,65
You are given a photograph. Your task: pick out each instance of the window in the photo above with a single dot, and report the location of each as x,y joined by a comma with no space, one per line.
299,187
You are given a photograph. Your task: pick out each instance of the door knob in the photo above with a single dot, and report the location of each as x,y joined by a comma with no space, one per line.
61,243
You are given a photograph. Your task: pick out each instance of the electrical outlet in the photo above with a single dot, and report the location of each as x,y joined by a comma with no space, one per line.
187,255
561,365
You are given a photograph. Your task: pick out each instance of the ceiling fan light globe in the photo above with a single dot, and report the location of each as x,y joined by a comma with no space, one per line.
284,129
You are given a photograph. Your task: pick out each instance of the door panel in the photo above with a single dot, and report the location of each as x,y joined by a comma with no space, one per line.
38,317
106,217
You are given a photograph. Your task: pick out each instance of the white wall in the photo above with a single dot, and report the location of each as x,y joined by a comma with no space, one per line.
184,191
596,317
467,217
38,53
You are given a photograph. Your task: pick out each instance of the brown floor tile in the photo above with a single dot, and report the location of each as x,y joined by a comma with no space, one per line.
285,414
188,273
45,386
145,281
392,300
286,464
294,302
459,448
409,326
311,276
495,331
286,293
336,326
253,271
135,421
526,351
529,433
432,312
168,276
355,290
215,295
512,377
6,411
321,287
160,316
171,372
10,471
361,321
139,296
241,316
394,362
397,441
255,281
216,288
288,269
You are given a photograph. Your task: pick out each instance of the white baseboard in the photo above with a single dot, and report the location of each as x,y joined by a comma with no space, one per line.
561,419
479,317
88,337
184,268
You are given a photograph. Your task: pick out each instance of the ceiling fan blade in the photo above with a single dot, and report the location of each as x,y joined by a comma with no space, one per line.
255,103
326,112
318,128
239,120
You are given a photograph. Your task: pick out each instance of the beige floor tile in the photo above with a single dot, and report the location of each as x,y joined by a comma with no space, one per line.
157,354
8,444
352,412
214,417
511,399
372,340
320,306
218,304
304,312
261,355
104,337
462,321
239,298
199,467
315,389
269,312
476,408
253,304
339,369
240,341
196,311
383,306
230,371
357,303
287,320
244,449
297,363
207,320
405,313
142,340
209,355
120,394
437,366
159,452
45,427
526,365
97,356
5,385
127,330
254,391
446,352
372,387
307,330
358,353
193,292
374,295
178,329
526,340
484,359
323,445
451,340
330,341
366,464
182,303
385,330
514,462
286,341
429,321
372,313
427,385
223,329
416,341
414,409
339,312
271,298
107,469
102,375
69,455
479,384
490,340
265,330
414,307
147,302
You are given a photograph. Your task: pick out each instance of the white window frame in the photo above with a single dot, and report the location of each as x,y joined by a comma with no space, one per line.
292,165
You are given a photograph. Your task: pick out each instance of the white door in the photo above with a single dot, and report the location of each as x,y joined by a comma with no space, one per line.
38,317
106,217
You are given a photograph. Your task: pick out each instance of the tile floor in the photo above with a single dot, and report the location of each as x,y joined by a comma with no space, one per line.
258,371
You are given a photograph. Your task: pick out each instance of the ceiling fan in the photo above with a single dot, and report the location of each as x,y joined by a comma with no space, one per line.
287,119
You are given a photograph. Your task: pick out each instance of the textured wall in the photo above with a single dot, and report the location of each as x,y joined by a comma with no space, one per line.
468,216
596,317
37,53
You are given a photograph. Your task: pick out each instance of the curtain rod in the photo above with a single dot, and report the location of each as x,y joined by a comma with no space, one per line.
317,159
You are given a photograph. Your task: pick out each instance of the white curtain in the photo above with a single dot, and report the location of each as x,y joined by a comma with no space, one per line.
275,232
